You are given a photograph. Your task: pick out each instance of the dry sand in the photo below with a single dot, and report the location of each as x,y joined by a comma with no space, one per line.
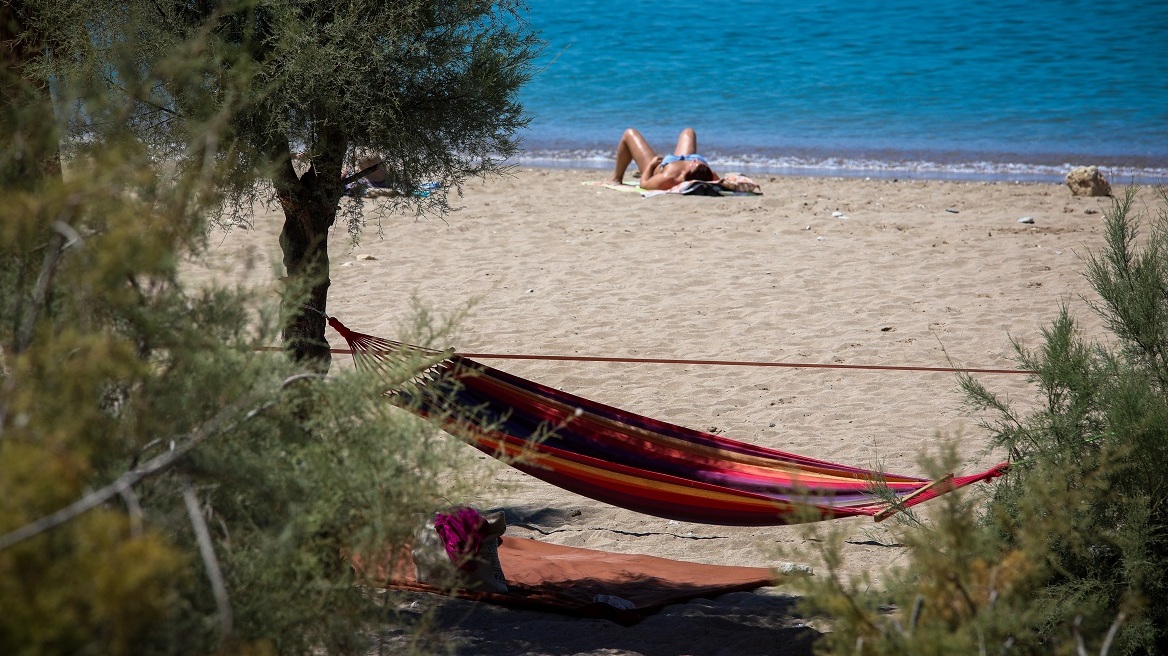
816,270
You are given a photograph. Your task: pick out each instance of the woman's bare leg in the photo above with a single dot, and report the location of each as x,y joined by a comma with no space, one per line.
687,142
632,147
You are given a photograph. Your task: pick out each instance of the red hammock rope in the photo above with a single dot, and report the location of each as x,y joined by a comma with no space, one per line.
727,363
745,363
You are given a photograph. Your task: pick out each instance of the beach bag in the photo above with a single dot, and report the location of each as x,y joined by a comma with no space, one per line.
738,183
459,549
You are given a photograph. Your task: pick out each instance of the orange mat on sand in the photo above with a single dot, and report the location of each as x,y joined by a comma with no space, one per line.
563,579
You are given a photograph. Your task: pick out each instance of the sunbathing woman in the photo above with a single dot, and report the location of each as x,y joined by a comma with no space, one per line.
659,172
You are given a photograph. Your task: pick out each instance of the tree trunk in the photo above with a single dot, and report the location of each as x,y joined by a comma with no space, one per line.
310,209
34,153
30,155
304,242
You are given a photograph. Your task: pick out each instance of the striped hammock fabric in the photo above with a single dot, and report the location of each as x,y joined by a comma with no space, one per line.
632,461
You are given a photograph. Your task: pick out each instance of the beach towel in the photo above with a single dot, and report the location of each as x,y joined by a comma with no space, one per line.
732,184
624,588
369,189
628,187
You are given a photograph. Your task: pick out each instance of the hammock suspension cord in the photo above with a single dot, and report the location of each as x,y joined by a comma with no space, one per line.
727,363
744,363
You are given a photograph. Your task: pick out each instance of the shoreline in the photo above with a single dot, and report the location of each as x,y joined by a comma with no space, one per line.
909,165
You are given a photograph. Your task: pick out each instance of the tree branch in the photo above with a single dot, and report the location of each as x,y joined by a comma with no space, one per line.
134,509
210,562
360,174
145,101
57,245
153,466
1111,633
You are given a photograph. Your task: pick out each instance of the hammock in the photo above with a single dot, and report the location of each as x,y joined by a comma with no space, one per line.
631,461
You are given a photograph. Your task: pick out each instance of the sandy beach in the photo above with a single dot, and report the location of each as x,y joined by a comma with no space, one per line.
815,270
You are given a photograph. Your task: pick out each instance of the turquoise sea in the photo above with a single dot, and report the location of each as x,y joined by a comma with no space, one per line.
994,90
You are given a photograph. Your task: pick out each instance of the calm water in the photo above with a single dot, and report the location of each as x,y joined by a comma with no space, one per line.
1004,89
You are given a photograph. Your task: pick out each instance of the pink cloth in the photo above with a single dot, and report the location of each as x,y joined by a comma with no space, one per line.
461,533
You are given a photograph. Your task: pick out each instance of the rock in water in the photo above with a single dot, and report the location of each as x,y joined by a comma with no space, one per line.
1087,181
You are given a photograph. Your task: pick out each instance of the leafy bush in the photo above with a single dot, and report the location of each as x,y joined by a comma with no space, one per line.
1070,555
164,487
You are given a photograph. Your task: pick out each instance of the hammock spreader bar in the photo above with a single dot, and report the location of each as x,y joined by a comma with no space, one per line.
629,460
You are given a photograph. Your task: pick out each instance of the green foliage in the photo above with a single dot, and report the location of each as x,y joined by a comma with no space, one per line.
431,86
125,393
1071,553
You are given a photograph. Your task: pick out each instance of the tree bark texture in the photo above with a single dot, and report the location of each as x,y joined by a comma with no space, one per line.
310,209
